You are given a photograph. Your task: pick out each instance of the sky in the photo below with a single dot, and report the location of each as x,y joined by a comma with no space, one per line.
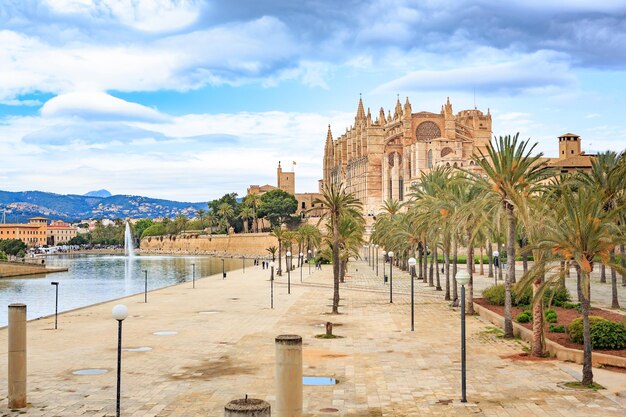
191,99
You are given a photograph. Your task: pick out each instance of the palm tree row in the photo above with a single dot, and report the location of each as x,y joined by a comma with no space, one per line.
513,197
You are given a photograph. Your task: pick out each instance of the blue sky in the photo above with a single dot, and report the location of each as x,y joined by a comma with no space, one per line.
190,99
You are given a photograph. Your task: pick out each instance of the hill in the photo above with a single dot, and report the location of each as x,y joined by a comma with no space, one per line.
19,206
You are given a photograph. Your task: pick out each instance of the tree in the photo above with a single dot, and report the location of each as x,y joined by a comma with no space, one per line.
225,212
245,214
514,174
140,227
157,229
12,246
334,203
254,202
582,230
277,206
217,206
279,234
78,240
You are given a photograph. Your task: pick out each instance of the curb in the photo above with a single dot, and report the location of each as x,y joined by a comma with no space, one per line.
554,349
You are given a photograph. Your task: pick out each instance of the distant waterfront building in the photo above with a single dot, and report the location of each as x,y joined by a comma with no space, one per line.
379,159
32,233
286,181
58,233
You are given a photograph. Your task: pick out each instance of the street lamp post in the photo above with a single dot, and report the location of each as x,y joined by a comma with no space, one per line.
412,263
120,312
287,259
145,285
376,247
309,260
390,255
223,271
56,302
272,284
463,277
301,262
193,275
243,263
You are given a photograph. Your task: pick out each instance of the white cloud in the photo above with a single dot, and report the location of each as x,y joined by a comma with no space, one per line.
515,74
144,15
99,106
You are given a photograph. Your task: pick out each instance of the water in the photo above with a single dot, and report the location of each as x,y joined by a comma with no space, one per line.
94,278
129,248
318,380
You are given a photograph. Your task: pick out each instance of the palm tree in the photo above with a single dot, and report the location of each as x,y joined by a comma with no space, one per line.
245,214
225,212
253,201
200,213
279,234
334,203
514,174
582,230
272,251
605,178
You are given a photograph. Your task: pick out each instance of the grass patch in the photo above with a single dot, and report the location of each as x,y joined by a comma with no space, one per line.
496,331
579,385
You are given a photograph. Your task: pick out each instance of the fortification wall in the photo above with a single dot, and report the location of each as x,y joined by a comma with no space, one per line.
237,244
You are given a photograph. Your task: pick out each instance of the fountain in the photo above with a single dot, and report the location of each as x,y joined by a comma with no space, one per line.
128,242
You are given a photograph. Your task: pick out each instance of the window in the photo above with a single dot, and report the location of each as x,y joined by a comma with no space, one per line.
430,158
303,205
427,131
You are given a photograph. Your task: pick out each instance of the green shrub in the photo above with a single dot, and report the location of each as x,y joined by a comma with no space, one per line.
605,334
557,329
494,294
608,335
571,305
525,298
551,316
3,256
559,297
523,317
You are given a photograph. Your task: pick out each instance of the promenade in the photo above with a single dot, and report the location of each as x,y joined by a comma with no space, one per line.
224,349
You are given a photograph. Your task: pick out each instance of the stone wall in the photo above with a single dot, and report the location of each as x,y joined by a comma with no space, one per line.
12,269
238,244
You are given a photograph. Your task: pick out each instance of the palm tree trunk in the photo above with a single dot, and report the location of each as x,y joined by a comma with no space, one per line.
431,282
335,225
446,260
602,273
280,261
579,288
480,261
614,300
510,275
419,256
587,370
470,270
538,321
490,256
455,258
621,252
436,254
425,262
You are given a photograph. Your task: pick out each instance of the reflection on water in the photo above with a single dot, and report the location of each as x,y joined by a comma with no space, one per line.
94,278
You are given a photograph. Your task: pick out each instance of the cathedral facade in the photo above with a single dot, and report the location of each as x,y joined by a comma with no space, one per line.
380,159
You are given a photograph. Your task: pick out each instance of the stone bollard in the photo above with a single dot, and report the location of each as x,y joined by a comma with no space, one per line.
17,355
289,376
247,407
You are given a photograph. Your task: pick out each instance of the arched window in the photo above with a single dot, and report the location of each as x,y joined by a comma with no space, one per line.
427,131
303,205
430,158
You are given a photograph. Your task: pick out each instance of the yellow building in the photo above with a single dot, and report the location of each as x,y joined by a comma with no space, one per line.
59,232
32,233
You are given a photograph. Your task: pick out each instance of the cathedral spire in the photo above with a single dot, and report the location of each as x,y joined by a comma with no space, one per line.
407,108
381,117
398,110
329,136
360,112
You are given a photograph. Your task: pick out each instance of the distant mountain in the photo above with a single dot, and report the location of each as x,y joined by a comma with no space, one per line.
98,193
19,206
